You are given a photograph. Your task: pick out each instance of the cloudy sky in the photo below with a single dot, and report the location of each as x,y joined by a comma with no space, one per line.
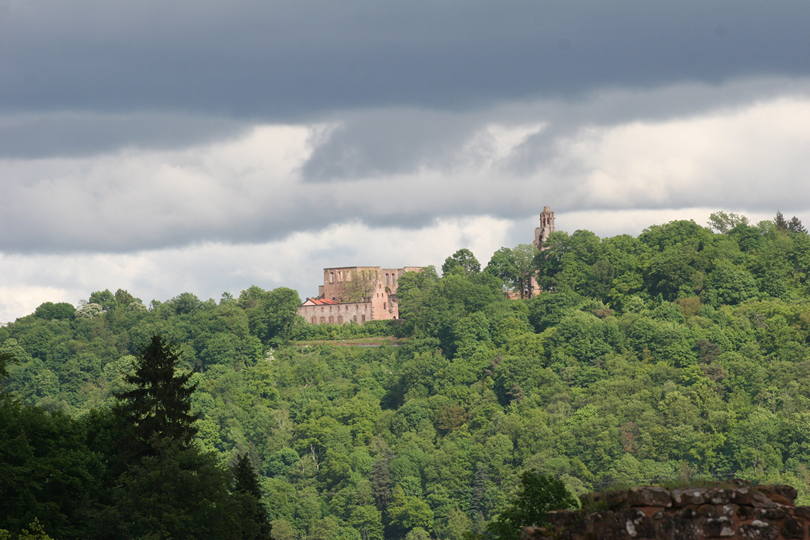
207,146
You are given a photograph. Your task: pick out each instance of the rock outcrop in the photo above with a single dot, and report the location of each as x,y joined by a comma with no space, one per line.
744,512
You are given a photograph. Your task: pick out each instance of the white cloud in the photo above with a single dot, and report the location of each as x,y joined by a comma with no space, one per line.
754,157
22,300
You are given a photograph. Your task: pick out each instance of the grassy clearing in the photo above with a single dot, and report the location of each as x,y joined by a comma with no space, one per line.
378,341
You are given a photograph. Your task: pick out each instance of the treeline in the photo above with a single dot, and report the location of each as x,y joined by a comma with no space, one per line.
680,354
130,471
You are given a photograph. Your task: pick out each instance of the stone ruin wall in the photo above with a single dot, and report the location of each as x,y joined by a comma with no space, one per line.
339,283
377,302
739,512
358,312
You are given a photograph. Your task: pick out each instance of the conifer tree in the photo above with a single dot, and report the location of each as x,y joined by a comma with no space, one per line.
780,222
245,480
252,518
159,407
795,225
167,487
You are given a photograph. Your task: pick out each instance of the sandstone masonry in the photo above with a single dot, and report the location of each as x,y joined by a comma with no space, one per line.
545,229
541,234
355,294
739,512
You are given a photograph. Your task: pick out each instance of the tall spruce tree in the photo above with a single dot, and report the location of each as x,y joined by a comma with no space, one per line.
167,487
159,407
244,477
251,515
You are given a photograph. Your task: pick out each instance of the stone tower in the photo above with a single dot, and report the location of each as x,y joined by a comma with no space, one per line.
545,229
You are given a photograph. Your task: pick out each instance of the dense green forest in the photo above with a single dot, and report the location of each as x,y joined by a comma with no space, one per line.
677,355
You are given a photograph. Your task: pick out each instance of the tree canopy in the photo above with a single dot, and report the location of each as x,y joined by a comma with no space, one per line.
681,353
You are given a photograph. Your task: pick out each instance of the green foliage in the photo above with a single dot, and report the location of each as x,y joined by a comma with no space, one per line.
515,266
729,284
794,224
679,354
462,261
159,405
304,331
409,512
5,358
176,493
724,222
251,516
49,310
272,314
34,531
548,310
46,471
539,493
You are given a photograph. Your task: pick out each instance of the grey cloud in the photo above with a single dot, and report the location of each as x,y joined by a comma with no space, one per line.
139,200
620,106
291,59
32,135
389,141
398,140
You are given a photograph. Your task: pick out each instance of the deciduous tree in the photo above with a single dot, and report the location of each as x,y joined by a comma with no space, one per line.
462,261
539,494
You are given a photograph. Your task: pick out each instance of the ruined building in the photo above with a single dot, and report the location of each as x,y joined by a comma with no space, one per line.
355,294
541,235
368,293
545,229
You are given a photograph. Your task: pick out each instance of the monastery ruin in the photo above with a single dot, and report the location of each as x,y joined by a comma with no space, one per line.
368,293
355,294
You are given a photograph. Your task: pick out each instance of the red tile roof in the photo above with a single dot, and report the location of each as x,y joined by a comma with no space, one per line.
320,301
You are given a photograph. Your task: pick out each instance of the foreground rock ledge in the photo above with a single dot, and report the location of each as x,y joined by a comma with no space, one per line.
749,512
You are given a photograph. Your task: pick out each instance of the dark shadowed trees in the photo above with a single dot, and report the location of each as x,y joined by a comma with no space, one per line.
251,516
539,494
167,488
159,405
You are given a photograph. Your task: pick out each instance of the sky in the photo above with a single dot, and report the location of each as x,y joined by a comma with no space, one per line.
204,147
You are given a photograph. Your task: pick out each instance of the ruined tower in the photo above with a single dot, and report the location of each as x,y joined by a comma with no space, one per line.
545,229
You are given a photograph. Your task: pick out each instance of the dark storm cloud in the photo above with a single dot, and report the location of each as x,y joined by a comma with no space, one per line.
287,59
65,134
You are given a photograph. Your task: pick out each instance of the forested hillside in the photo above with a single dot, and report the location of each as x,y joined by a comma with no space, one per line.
680,354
